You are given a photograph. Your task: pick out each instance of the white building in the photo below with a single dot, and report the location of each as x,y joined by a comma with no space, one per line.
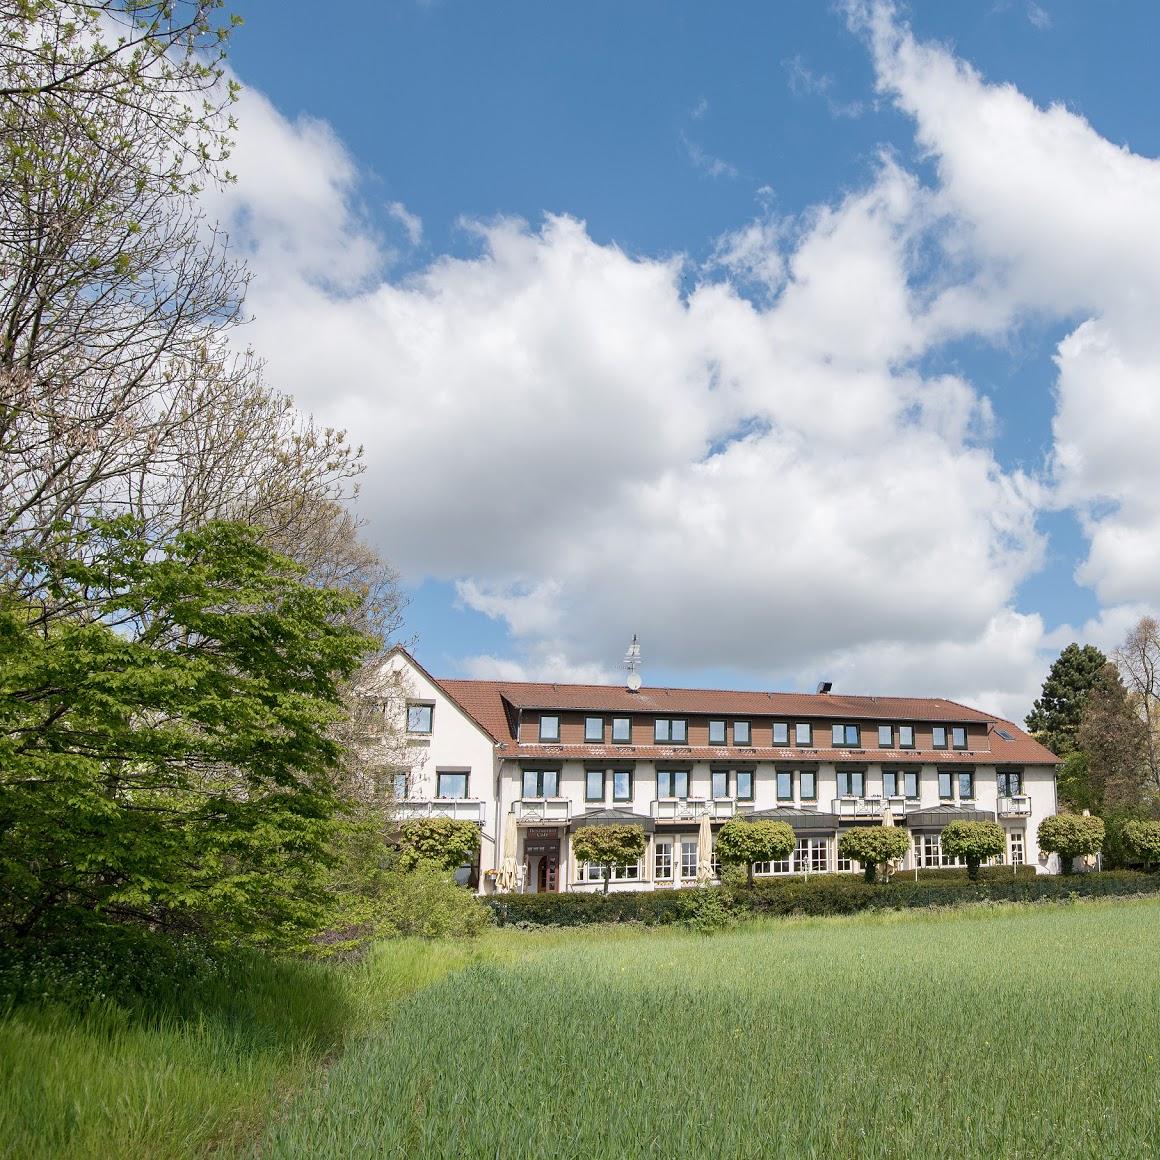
558,756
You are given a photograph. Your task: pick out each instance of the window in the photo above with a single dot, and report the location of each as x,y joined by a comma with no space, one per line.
946,790
541,783
720,778
781,866
931,854
622,785
1006,734
784,785
846,736
780,733
451,785
885,736
549,727
716,732
1010,783
803,733
1016,843
621,730
938,737
672,783
744,780
594,729
688,859
905,736
910,783
663,860
811,854
847,864
400,786
673,730
594,785
419,718
959,736
889,783
808,785
594,872
851,783
967,786
741,733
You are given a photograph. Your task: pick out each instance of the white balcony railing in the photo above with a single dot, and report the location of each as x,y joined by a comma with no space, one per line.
458,809
1015,806
542,810
692,809
860,807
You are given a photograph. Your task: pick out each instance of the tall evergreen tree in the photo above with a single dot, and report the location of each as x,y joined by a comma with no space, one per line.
1055,717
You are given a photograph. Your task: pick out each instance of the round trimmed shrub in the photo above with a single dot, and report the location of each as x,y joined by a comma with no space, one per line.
973,841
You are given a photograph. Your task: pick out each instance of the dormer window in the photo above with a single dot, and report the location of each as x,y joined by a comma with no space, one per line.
959,736
885,736
803,733
846,736
594,729
716,732
671,730
549,727
741,733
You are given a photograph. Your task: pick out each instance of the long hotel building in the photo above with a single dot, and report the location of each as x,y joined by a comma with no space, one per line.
532,762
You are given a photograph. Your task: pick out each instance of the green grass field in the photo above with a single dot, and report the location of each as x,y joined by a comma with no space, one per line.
1004,1031
998,1032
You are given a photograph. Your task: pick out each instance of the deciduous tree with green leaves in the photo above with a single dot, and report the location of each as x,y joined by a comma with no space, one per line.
741,842
973,842
445,842
608,846
170,761
1070,836
1143,840
873,846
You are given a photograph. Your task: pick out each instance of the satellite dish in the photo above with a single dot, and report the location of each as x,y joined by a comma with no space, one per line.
633,681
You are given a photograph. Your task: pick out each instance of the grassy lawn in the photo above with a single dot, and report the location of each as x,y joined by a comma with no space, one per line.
996,1032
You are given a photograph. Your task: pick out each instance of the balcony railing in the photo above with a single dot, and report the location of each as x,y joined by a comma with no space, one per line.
1014,806
458,809
862,807
692,809
531,810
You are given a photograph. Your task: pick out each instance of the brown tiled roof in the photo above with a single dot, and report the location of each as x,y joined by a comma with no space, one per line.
493,705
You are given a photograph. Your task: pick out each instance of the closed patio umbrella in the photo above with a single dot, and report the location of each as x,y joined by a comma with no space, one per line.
509,876
704,850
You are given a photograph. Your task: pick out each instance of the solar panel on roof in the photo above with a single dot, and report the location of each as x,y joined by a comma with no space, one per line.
1005,735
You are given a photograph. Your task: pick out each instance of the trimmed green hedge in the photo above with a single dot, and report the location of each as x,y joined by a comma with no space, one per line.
821,894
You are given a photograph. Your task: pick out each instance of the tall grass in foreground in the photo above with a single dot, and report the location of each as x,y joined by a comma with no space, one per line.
1005,1032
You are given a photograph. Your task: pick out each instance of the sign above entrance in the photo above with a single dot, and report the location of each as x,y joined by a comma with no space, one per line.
543,833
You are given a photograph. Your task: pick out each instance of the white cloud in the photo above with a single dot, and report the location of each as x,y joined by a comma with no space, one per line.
768,482
804,82
412,224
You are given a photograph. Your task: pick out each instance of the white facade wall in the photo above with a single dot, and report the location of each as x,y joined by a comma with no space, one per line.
456,743
1038,785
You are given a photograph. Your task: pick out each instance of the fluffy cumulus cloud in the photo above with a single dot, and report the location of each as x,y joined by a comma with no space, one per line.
744,463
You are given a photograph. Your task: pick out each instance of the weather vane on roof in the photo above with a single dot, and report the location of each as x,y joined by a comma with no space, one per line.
632,663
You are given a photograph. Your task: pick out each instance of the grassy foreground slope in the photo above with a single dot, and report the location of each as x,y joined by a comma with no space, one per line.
1006,1032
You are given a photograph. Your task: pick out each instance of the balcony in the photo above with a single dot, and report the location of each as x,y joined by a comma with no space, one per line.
536,811
862,807
693,809
458,809
1014,806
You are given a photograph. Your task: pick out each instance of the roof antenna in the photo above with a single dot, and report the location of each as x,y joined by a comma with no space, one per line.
632,663
825,686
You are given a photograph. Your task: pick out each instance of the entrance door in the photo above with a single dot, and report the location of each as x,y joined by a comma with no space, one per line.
546,875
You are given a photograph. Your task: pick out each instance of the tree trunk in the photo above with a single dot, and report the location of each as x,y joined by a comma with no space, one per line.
871,871
973,869
749,870
607,876
1066,864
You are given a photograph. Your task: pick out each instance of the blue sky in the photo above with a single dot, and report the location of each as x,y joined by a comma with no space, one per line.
893,217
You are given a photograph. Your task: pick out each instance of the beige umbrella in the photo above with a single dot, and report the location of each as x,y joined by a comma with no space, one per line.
704,850
508,877
888,866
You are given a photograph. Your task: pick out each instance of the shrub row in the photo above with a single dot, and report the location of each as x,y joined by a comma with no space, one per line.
822,894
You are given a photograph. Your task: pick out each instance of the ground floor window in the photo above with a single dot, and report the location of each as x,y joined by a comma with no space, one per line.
778,866
594,872
847,864
928,852
663,861
688,859
811,854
